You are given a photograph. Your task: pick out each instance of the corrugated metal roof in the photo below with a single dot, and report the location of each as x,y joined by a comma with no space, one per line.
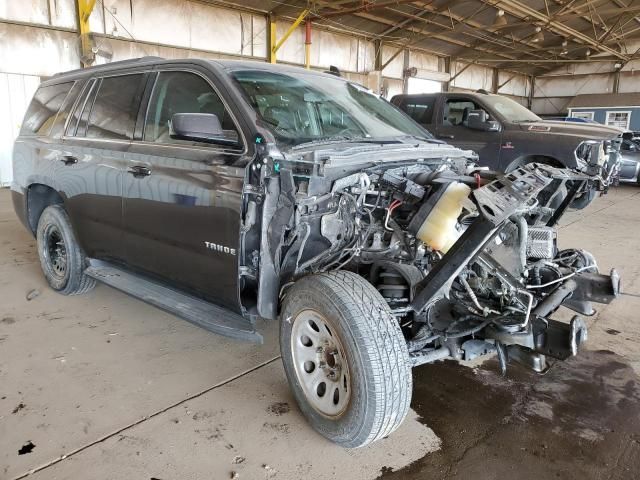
529,36
605,100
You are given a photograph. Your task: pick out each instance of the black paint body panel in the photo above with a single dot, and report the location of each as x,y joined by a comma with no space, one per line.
515,141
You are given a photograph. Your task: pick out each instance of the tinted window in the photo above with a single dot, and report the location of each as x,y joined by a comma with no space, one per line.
183,92
43,109
82,109
420,109
457,110
115,108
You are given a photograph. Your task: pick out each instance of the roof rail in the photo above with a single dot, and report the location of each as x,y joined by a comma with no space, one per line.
119,63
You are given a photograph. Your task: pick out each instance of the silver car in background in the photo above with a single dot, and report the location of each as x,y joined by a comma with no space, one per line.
630,160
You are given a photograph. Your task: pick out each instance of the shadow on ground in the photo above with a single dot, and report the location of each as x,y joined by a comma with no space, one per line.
581,420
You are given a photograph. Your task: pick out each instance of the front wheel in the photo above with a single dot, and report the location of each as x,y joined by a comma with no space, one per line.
345,358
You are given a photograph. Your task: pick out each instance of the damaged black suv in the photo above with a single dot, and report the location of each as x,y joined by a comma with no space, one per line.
227,191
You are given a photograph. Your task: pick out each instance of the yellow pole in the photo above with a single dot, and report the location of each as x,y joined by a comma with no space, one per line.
84,7
272,40
272,30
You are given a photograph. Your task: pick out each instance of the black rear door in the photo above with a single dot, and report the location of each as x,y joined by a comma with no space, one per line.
421,108
182,200
97,138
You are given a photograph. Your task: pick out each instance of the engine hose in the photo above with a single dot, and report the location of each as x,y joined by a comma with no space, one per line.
555,299
469,331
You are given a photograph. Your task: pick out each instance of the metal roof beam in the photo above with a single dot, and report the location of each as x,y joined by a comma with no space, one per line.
518,9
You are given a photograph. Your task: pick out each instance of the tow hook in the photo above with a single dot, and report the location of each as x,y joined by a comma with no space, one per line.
578,334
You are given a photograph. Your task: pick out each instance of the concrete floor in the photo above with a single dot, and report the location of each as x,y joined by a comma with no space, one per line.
106,387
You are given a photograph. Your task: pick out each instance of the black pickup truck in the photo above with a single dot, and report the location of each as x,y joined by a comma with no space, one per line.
506,135
225,191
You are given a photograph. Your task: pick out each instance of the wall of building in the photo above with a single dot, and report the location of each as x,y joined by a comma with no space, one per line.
554,91
600,114
16,91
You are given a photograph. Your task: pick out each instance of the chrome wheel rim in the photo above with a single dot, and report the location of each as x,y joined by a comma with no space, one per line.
55,251
320,363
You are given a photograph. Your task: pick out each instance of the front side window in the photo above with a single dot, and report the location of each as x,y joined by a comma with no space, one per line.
309,107
43,109
183,92
456,112
114,111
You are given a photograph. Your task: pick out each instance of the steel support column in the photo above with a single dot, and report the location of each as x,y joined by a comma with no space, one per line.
275,45
84,9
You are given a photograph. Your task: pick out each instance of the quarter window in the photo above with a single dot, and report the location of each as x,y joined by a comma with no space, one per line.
183,92
114,111
43,109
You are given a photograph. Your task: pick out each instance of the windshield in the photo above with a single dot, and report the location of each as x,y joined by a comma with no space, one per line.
306,107
511,110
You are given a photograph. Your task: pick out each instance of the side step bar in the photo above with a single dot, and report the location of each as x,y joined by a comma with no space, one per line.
199,312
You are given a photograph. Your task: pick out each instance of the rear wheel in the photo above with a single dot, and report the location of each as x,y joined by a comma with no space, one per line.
345,358
61,258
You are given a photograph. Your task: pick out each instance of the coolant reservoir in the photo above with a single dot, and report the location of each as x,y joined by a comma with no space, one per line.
439,228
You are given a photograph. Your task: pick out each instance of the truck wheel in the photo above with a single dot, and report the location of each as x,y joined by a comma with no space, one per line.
345,358
61,258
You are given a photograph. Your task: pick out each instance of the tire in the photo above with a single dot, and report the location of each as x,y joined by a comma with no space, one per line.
357,348
61,258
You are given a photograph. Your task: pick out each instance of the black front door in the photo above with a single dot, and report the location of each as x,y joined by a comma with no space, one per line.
182,200
453,129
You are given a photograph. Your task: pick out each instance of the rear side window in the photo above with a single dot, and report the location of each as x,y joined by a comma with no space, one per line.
420,109
43,109
75,127
114,111
183,92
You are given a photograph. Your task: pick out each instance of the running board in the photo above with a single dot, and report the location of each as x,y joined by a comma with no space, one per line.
199,312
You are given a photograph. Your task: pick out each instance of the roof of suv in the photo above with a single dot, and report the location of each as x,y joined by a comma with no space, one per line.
229,65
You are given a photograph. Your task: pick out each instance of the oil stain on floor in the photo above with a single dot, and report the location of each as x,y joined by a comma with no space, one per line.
581,420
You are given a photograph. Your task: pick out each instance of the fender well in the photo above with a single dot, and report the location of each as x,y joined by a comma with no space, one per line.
39,197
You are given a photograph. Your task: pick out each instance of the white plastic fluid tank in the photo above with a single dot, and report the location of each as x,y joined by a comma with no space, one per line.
439,228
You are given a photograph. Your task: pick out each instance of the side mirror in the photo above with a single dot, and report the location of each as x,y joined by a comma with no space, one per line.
198,127
479,120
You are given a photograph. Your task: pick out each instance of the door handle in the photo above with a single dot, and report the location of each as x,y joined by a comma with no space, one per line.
139,171
68,159
445,136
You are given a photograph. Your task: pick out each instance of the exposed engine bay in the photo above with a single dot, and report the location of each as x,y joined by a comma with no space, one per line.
467,259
